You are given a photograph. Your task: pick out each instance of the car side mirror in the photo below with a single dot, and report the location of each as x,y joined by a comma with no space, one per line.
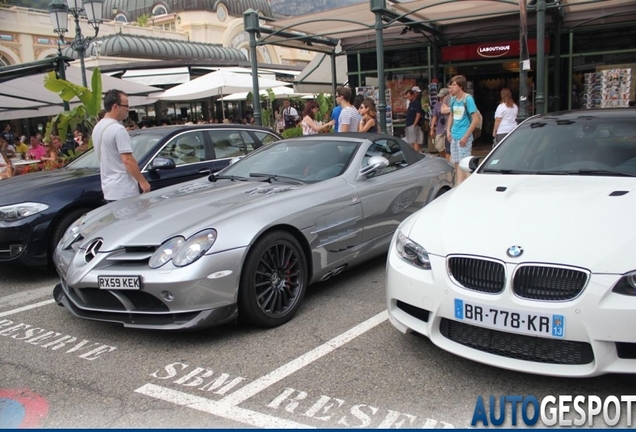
470,164
162,163
375,163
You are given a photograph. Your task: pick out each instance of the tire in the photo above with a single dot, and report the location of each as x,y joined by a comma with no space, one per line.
273,281
60,228
441,192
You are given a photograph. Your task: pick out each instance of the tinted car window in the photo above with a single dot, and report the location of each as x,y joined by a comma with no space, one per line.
142,144
265,137
227,143
554,145
389,149
309,161
186,148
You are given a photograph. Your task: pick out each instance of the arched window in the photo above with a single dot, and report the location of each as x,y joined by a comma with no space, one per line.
4,61
121,17
159,10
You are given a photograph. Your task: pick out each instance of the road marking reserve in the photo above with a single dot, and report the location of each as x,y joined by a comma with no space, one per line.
219,409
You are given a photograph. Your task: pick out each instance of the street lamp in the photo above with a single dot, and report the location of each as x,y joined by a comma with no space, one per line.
59,9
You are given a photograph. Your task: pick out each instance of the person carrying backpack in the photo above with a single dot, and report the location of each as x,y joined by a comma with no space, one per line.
462,121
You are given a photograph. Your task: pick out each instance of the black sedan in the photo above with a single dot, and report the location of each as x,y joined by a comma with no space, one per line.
36,209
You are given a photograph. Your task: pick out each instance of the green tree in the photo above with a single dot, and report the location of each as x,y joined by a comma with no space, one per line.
267,113
85,114
143,20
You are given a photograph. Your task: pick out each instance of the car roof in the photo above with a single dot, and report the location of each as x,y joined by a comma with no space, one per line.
359,136
172,128
603,113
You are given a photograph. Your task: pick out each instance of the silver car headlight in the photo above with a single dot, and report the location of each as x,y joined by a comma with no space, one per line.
626,285
194,248
412,252
72,232
16,212
166,252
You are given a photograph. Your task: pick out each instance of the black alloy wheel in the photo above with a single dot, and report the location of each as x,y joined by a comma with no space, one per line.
273,280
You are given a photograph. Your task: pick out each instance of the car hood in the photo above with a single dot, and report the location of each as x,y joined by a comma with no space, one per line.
569,220
184,209
39,186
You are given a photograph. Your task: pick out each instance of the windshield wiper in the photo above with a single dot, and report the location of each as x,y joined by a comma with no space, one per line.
277,177
599,172
215,177
505,171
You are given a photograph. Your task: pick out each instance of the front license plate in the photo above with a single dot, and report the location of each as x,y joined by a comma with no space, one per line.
510,320
119,282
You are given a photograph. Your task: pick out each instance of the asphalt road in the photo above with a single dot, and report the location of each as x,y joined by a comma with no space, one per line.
338,363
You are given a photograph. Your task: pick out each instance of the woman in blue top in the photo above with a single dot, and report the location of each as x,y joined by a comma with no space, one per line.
369,122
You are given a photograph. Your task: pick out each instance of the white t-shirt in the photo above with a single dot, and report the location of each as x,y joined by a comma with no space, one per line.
290,111
350,116
110,140
508,118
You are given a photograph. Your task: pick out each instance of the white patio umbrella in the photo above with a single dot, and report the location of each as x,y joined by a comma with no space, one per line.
281,92
216,84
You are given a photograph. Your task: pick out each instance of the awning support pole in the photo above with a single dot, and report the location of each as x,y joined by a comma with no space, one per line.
540,73
377,7
334,76
251,25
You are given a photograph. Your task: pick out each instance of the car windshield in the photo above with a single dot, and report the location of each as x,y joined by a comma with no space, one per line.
305,160
585,145
142,144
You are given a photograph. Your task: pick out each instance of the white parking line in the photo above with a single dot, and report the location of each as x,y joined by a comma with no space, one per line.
26,308
226,407
219,409
284,371
25,296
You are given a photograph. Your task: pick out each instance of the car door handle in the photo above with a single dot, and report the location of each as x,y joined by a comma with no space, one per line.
205,171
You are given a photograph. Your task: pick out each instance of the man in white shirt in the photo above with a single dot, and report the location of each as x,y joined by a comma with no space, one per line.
290,115
350,118
118,167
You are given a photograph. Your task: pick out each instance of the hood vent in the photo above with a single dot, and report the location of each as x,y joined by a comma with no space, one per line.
619,193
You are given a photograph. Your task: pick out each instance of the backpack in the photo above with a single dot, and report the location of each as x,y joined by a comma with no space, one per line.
423,119
480,123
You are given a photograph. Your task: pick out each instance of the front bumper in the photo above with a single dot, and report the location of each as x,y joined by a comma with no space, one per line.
24,242
599,335
200,295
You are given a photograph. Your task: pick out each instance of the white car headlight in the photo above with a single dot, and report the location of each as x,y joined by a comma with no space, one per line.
627,284
412,252
194,248
16,212
165,253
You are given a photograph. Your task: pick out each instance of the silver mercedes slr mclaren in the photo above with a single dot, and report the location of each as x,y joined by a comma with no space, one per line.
245,242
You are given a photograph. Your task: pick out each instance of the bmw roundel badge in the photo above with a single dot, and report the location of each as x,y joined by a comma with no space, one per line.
514,251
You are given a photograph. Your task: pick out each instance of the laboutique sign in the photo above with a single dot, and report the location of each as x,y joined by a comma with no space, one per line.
488,50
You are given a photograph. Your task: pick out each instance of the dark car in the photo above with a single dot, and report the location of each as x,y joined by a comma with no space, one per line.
36,209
